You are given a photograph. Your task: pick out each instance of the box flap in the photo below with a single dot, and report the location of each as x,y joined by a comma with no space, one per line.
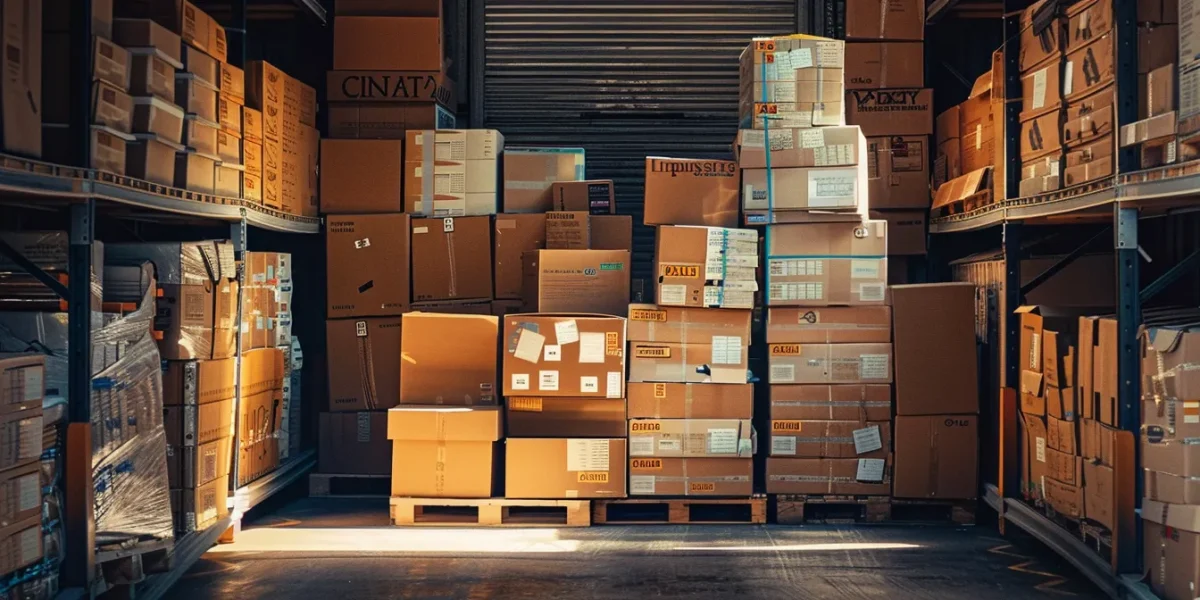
1179,516
1031,383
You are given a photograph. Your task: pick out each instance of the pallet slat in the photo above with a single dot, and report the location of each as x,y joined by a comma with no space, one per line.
798,509
489,512
680,511
335,485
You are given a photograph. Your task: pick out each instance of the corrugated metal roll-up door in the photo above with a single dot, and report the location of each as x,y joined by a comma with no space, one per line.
624,79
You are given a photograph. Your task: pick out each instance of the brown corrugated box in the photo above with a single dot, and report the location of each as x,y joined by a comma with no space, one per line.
358,120
354,443
807,189
1040,136
934,333
830,363
830,439
445,453
828,476
690,262
885,19
863,402
20,490
937,456
1158,45
1089,68
574,417
565,468
515,235
364,363
145,33
588,281
1165,487
1172,548
683,345
578,230
198,382
564,355
196,424
151,75
448,359
856,275
21,544
1158,97
387,43
592,195
797,147
452,172
906,231
1038,44
298,168
898,172
691,477
191,466
875,65
362,176
1041,89
1089,162
830,325
690,401
891,111
281,98
22,382
1040,175
367,270
451,258
978,125
201,507
529,173
682,191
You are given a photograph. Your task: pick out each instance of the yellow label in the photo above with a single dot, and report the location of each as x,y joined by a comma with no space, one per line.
692,271
785,426
660,390
652,352
525,404
644,426
766,108
700,487
643,314
764,45
769,57
646,464
785,349
593,477
612,343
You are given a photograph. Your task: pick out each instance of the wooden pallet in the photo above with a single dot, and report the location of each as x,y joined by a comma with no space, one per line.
490,512
959,512
119,567
798,509
329,485
682,511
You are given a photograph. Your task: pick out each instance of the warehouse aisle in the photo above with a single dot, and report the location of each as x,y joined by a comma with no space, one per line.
329,548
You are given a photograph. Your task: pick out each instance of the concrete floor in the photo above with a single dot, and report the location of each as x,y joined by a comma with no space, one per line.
315,548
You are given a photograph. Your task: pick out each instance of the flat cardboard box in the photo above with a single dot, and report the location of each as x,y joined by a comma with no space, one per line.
362,176
447,262
452,172
390,87
514,236
20,489
899,111
197,424
22,382
691,476
1087,119
937,456
885,20
906,231
829,476
829,363
358,120
690,401
367,265
575,417
830,325
963,187
387,43
822,264
704,362
568,355
830,439
878,65
860,402
682,191
530,172
934,332
798,147
1037,44
364,363
448,359
807,189
354,444
595,196
581,281
565,468
706,267
898,172
1089,162
445,453
1171,554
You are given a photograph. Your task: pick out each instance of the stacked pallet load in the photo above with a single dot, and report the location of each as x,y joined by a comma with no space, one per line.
22,389
1159,45
966,135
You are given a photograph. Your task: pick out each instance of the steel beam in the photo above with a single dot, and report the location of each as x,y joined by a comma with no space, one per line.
1129,318
26,265
1171,276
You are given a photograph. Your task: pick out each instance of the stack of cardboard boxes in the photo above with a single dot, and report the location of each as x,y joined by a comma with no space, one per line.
22,388
285,111
267,323
966,144
1158,49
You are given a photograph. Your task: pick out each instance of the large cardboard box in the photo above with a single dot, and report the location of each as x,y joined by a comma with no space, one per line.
691,476
681,191
1041,89
822,264
706,267
978,126
830,325
22,382
452,172
564,468
1090,67
198,381
934,332
283,100
445,452
201,507
448,359
575,417
898,173
529,173
367,265
564,355
1172,547
878,65
937,456
885,20
857,476
197,424
906,111
362,176
581,281
451,258
1038,43
364,363
806,189
387,43
799,147
515,235
369,120
354,444
191,466
830,439
906,231
866,402
829,363
690,401
680,345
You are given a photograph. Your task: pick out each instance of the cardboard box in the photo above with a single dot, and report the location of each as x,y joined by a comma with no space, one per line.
772,115
885,20
198,381
1037,44
727,329
677,345
447,261
145,33
575,417
1089,162
937,456
448,359
1041,89
354,444
906,231
191,466
829,325
691,477
1159,45
445,453
706,267
198,424
529,173
690,401
390,87
367,265
862,402
112,107
21,490
1172,549
362,176
857,476
1040,175
1159,95
565,468
815,189
452,172
1066,499
151,75
796,147
582,281
683,191
963,187
387,43
282,99
935,366
21,434
252,125
21,544
364,363
898,172
158,117
514,236
578,230
110,61
798,87
229,149
356,120
299,171
589,351
594,196
829,363
233,84
878,65
22,382
151,159
201,507
822,264
199,136
891,111
1041,135
830,439
1168,488
1089,67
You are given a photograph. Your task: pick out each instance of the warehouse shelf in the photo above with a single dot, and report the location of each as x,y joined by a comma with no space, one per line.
259,490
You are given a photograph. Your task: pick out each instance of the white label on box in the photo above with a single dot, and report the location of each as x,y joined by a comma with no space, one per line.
589,384
548,381
828,188
867,440
796,267
363,243
829,54
552,353
812,138
870,469
783,373
520,382
873,366
835,155
781,91
1191,412
1035,351
802,58
665,445
1068,79
781,139
591,347
672,294
783,445
722,441
613,387
587,455
754,138
726,350
1171,152
864,268
641,484
1041,449
641,445
448,225
813,290
529,346
35,387
567,332
871,292
1039,87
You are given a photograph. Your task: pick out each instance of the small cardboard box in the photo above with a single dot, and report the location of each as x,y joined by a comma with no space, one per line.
690,401
362,176
514,236
445,452
706,267
905,111
564,355
364,363
529,174
575,417
367,265
885,20
582,281
595,196
354,444
822,264
934,333
829,363
448,263
872,402
691,476
879,65
683,191
565,468
857,476
898,173
947,443
448,359
830,439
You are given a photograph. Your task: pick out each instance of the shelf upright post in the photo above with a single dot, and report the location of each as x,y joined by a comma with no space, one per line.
1012,104
1009,335
1125,17
1129,318
237,41
237,233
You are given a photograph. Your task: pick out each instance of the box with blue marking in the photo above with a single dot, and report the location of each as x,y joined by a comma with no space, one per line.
827,264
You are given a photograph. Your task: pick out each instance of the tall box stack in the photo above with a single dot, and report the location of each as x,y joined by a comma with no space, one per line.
22,388
1158,43
1041,54
267,323
287,109
156,56
1089,93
